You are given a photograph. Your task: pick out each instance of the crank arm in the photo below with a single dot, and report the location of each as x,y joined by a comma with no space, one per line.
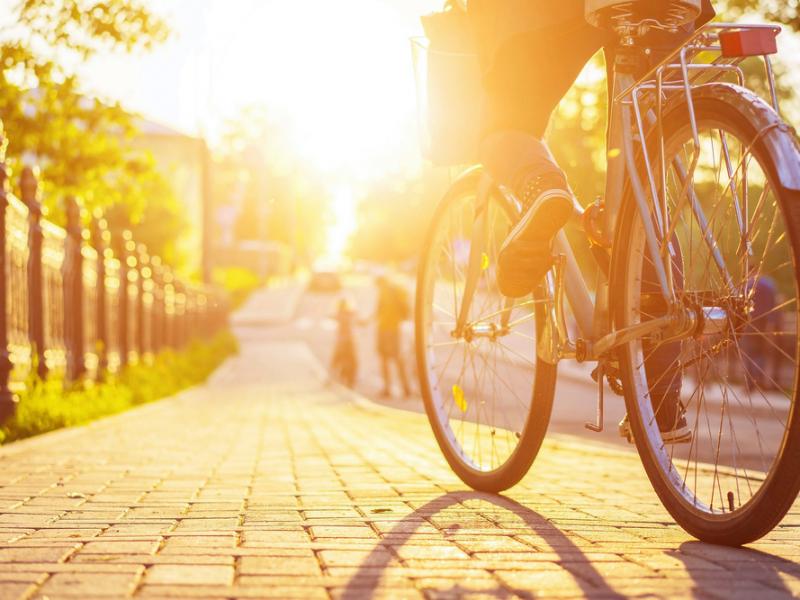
628,334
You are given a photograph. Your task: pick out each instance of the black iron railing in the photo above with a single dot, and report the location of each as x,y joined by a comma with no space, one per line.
70,306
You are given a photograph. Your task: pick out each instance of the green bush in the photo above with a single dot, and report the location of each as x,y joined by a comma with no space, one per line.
238,282
48,405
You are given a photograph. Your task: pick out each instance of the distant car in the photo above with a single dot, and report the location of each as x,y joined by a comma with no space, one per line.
324,282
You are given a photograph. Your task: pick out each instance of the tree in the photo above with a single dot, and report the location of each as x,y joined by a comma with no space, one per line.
81,144
279,196
393,216
786,12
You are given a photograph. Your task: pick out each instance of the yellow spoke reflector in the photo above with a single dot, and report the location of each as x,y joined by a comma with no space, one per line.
458,398
484,261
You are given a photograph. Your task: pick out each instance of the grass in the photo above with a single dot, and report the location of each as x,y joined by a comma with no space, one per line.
48,405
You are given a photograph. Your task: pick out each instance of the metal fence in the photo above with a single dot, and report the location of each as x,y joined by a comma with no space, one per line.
70,305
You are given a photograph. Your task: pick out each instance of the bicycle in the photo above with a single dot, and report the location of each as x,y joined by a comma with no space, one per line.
702,201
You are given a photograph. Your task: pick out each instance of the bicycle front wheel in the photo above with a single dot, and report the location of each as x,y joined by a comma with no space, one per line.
731,386
486,395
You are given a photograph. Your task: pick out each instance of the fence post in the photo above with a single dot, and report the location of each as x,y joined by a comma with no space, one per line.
169,307
180,314
7,400
99,239
29,188
157,314
191,315
141,291
124,305
73,287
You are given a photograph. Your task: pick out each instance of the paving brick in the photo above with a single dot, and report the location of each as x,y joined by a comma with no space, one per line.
37,554
189,575
13,589
265,565
119,547
86,585
337,532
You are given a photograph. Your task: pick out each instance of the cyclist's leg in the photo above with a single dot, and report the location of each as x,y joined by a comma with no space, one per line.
531,53
662,361
525,77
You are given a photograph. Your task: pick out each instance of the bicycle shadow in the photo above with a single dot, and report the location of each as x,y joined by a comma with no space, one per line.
369,574
761,566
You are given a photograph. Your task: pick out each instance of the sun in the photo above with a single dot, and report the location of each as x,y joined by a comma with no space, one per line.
340,72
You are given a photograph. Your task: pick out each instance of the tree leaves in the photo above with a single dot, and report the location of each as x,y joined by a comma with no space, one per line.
81,144
87,26
786,12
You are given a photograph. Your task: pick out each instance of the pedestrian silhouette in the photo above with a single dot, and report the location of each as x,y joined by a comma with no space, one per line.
392,309
344,362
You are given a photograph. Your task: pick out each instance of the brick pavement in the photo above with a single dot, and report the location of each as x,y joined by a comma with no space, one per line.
265,484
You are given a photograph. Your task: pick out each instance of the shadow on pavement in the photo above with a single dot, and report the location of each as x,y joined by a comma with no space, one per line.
760,566
369,574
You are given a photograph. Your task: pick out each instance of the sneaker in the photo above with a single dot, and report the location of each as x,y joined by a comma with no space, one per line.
680,434
526,253
671,419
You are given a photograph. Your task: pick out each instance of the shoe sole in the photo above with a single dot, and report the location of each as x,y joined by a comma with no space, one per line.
682,435
546,225
534,226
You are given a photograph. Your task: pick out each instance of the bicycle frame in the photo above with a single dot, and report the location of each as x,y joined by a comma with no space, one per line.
637,107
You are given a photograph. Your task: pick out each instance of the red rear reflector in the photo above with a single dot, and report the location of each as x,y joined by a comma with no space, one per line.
737,43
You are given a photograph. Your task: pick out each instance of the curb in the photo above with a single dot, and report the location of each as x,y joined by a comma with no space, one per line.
65,434
556,440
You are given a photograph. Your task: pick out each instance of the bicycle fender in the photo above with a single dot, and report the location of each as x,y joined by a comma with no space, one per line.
779,137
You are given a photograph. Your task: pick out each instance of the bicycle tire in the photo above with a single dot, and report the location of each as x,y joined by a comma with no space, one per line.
752,121
529,438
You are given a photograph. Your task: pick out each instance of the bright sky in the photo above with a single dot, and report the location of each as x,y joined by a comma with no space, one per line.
341,71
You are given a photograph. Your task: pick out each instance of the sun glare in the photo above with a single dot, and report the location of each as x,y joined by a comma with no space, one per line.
335,79
339,71
343,224
340,77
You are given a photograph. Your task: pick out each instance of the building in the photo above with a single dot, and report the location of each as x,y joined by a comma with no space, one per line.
183,161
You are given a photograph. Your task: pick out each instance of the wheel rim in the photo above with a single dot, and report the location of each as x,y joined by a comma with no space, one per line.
736,377
478,382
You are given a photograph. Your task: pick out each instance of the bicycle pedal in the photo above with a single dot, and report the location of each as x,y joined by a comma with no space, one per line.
625,429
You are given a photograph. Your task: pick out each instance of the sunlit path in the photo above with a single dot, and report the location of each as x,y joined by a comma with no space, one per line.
266,483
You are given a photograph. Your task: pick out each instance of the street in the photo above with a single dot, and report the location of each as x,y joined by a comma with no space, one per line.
576,394
266,483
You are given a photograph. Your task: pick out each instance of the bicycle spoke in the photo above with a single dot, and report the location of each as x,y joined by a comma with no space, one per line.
477,382
730,252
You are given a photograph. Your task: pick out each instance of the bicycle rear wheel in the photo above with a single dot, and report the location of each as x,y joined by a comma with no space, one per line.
477,385
734,252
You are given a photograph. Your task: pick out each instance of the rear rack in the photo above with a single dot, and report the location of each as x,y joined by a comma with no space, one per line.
711,41
714,53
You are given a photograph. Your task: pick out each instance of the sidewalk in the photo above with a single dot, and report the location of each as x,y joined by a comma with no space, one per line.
271,305
265,484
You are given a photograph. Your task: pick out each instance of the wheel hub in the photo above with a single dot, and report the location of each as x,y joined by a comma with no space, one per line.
473,331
